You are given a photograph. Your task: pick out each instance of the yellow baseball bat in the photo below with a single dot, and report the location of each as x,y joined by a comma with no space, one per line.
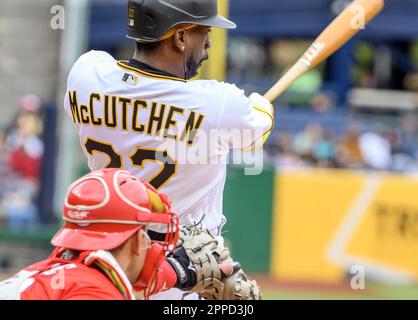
342,29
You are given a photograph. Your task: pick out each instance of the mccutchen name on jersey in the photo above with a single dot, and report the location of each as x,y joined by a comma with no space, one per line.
123,113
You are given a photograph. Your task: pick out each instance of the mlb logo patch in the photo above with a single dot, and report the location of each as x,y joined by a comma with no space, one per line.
131,16
130,79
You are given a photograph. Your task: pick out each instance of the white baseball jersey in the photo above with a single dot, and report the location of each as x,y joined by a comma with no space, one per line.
173,133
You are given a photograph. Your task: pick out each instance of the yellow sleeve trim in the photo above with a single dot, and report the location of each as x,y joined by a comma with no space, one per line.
253,146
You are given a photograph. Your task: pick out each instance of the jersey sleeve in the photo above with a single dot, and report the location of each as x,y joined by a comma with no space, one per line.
245,125
78,76
71,98
69,111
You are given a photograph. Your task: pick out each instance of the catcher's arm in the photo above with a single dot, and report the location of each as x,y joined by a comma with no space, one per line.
187,273
175,272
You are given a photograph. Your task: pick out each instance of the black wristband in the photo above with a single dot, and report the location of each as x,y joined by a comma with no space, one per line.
186,277
181,273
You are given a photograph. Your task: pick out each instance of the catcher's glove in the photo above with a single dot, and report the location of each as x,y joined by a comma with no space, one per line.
199,263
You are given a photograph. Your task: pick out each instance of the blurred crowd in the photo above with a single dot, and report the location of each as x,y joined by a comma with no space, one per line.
21,152
360,139
374,146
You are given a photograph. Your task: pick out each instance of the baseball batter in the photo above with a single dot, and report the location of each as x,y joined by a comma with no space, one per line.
145,115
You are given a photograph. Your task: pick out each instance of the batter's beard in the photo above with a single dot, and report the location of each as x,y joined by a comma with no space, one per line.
192,68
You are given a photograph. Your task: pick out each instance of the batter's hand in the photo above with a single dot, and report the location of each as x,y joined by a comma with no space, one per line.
258,101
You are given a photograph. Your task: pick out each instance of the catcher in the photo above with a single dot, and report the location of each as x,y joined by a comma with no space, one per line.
144,115
103,251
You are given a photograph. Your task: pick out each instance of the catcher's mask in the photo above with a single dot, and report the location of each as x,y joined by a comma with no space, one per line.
149,20
105,208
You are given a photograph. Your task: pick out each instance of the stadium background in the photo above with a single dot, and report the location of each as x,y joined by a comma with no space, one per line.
337,198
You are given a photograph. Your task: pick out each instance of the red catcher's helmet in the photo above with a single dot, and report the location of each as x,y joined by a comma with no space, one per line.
106,207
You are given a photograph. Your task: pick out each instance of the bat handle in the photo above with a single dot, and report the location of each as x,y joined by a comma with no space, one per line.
286,81
276,90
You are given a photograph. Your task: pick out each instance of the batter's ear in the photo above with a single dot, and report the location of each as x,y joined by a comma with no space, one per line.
180,40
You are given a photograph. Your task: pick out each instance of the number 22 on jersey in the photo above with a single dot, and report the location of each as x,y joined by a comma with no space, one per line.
138,158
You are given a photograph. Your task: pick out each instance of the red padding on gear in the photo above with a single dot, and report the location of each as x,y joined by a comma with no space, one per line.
157,272
153,261
165,279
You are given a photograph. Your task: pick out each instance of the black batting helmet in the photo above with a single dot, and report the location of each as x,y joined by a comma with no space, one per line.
149,20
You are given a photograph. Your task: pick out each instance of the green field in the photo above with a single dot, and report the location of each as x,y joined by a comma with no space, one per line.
372,292
271,289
